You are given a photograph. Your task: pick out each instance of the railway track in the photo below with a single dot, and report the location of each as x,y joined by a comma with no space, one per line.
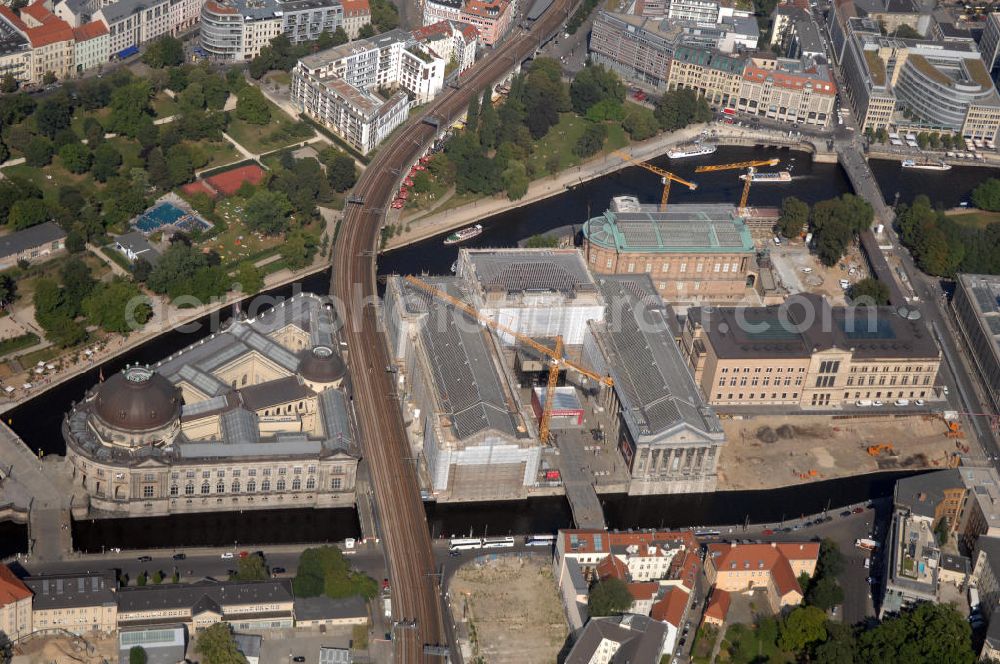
416,604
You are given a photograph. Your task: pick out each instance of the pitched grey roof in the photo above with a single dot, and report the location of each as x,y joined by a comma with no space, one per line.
206,594
248,644
513,270
36,236
469,388
336,421
239,426
657,392
66,591
125,8
640,639
921,494
274,392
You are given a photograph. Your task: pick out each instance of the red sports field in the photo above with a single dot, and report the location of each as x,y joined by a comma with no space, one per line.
198,187
229,182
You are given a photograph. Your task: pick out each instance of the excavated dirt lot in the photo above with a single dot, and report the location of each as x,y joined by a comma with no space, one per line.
514,610
62,649
772,451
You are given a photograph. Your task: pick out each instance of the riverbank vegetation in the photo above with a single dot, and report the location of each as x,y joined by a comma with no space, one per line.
834,223
943,245
543,126
325,571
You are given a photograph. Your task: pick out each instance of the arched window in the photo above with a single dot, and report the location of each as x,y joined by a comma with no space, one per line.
265,485
251,486
205,488
235,487
311,483
296,484
244,382
280,486
220,487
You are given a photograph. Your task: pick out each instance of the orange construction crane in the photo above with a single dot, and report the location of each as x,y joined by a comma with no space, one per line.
557,360
875,450
666,177
750,167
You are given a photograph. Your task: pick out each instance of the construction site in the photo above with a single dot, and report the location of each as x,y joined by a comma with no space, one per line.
768,452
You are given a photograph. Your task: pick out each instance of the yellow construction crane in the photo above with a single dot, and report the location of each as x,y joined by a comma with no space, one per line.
666,177
750,167
557,361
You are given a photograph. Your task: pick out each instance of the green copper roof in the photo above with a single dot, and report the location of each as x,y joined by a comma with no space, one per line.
680,229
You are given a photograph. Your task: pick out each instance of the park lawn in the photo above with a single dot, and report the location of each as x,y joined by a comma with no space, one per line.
52,178
236,243
976,219
164,106
279,77
264,138
563,136
751,648
76,124
219,153
130,151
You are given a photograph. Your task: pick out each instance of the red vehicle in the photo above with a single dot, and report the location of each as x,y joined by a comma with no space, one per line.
424,160
857,510
408,182
768,532
404,195
728,120
729,111
385,585
420,167
398,204
552,474
244,554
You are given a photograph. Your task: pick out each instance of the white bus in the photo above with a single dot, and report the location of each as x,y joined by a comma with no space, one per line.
466,544
539,540
498,543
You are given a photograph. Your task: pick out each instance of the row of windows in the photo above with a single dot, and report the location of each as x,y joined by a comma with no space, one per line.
251,487
754,381
237,472
766,370
754,395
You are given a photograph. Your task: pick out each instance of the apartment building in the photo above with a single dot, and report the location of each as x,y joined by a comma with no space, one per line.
716,76
774,567
184,15
357,14
918,85
660,569
810,354
703,11
132,23
626,638
693,253
491,18
669,439
76,603
239,29
454,42
15,50
92,46
49,38
246,606
799,91
436,11
638,48
15,605
421,72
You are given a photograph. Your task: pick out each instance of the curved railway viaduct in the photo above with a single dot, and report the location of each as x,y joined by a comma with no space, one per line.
417,608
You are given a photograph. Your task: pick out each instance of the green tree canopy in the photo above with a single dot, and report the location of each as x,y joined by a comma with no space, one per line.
267,212
325,571
928,634
106,162
249,278
679,108
515,180
117,306
130,110
27,213
252,107
137,655
298,248
251,568
75,157
804,626
640,123
38,152
609,597
794,217
594,84
217,646
164,52
870,291
52,115
591,140
986,195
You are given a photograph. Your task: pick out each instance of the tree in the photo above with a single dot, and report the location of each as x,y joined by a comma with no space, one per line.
384,16
142,579
341,172
804,626
679,108
164,52
488,121
92,131
75,157
869,291
839,646
38,152
298,248
794,216
472,114
157,577
180,169
137,655
515,180
640,123
48,78
77,281
325,571
8,289
252,107
986,196
267,212
941,531
251,568
906,32
117,306
8,84
141,269
594,84
27,213
825,593
217,646
107,160
591,140
249,278
52,115
927,634
156,168
338,37
130,111
609,597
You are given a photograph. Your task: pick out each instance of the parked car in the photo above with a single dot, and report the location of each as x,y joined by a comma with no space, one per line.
767,531
277,570
228,555
144,559
180,556
846,513
857,510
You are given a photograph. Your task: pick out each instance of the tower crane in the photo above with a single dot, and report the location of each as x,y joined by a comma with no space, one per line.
555,355
666,177
750,166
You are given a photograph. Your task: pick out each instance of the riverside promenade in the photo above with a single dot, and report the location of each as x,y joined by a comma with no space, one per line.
423,225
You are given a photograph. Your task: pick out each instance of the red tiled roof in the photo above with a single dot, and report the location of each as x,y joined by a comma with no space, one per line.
14,19
355,7
771,558
792,81
90,31
50,32
219,8
491,9
612,566
470,32
441,28
646,590
718,605
12,589
37,11
670,608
